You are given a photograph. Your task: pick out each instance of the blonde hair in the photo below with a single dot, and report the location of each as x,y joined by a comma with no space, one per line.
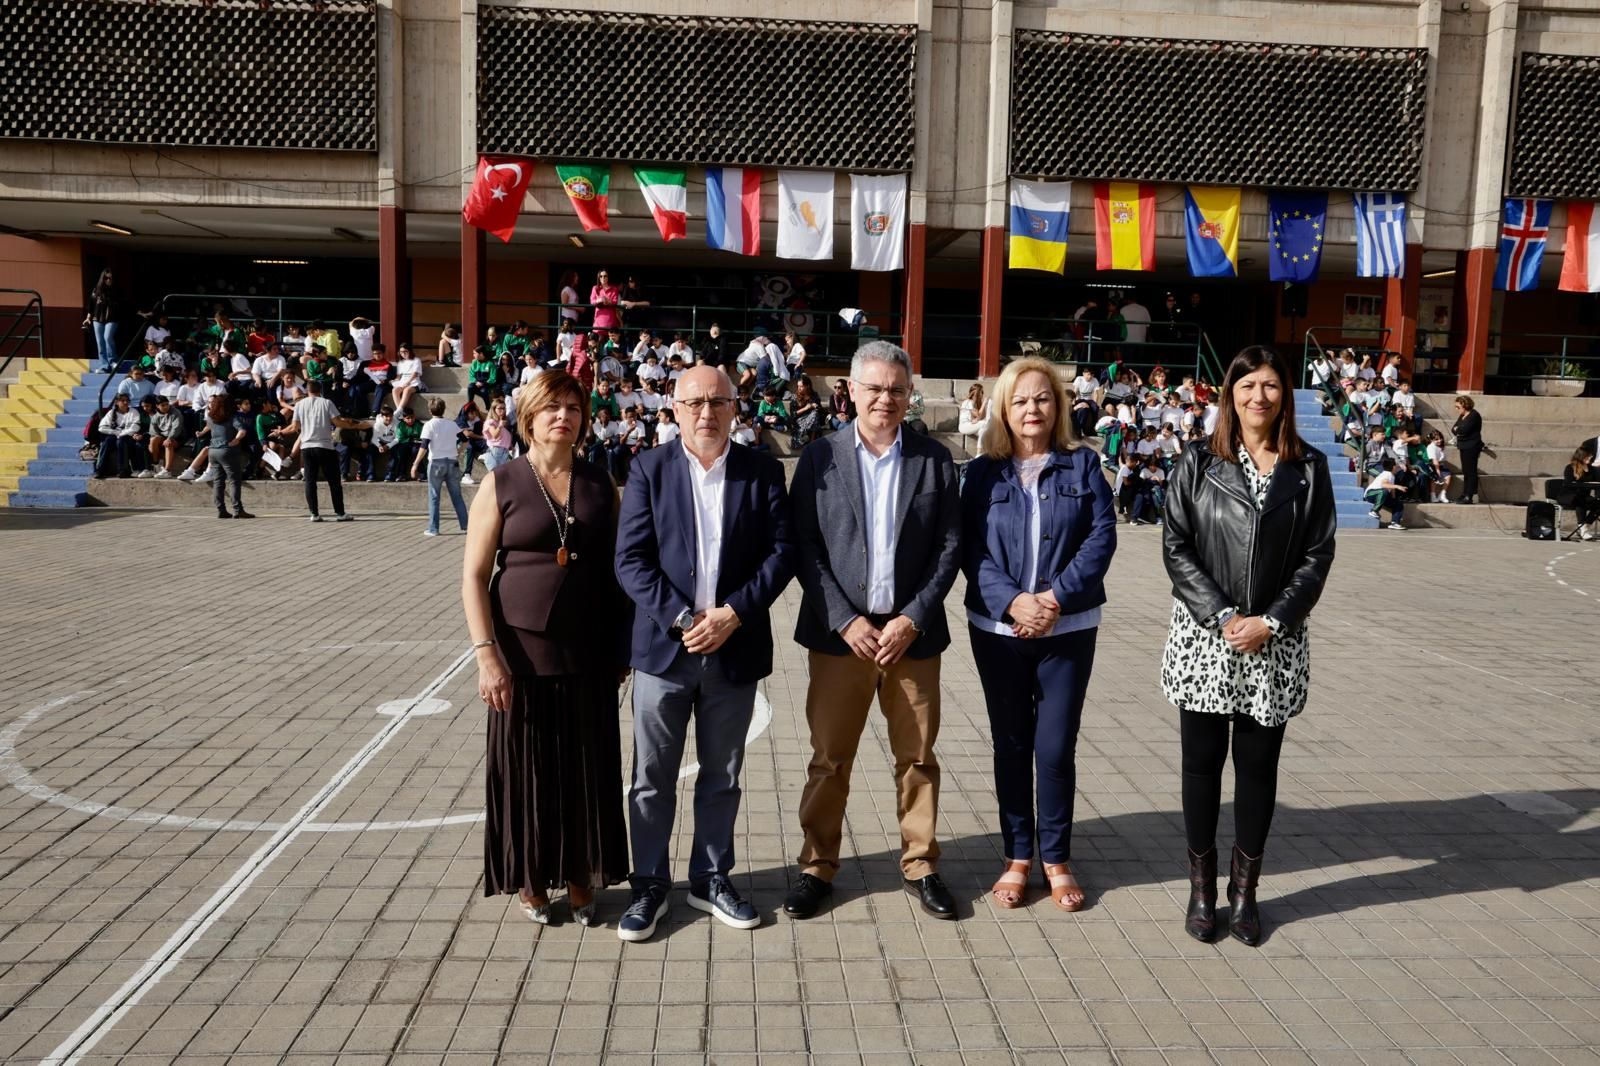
542,392
996,442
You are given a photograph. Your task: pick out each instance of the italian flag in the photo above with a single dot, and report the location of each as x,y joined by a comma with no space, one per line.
586,187
665,192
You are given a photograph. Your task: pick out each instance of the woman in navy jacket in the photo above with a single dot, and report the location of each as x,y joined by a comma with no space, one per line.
1039,532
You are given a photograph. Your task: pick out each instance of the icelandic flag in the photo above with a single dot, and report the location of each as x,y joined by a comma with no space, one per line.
1580,266
1211,230
1039,212
733,209
1297,224
1524,231
1380,234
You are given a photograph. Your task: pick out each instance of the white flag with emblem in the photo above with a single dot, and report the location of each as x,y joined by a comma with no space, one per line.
877,221
805,214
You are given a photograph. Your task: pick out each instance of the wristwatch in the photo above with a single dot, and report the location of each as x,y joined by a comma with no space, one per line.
684,620
1225,616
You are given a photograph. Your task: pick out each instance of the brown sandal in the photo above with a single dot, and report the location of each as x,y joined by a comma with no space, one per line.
1063,886
1013,884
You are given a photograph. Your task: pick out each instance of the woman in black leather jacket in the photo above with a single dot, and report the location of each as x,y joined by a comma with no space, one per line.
1248,544
1468,432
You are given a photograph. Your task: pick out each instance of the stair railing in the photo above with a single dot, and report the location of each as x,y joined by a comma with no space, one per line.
25,328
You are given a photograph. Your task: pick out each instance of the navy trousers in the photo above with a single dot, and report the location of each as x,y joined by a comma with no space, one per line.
1034,690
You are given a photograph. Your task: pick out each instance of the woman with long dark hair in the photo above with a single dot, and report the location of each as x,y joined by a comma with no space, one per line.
1248,544
1468,434
102,319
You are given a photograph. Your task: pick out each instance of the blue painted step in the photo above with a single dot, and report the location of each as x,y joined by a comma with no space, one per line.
59,467
50,499
56,477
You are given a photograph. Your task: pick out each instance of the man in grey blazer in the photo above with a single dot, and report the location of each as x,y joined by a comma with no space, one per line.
877,517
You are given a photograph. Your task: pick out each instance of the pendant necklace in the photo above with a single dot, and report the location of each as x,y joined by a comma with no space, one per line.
563,521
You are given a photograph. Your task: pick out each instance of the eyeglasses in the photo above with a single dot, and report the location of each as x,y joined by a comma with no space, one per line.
894,392
698,404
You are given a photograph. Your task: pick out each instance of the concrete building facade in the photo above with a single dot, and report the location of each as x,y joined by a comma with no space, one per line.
385,212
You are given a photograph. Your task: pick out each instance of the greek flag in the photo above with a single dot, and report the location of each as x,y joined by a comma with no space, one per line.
1380,234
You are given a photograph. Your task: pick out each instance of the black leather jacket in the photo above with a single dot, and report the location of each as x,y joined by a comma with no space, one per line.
1221,551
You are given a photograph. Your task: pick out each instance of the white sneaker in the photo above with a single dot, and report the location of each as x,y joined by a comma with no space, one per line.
1396,525
187,475
466,479
1584,534
209,476
1374,514
144,473
430,533
163,475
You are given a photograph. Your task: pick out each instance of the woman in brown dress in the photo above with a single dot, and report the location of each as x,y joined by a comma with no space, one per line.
550,628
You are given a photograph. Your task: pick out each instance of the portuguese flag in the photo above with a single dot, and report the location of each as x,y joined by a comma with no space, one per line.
587,186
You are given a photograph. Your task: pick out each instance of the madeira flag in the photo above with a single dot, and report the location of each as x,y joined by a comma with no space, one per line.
1124,226
1039,211
1211,231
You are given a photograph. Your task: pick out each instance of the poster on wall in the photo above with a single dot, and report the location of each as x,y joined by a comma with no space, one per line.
789,302
1434,305
1363,316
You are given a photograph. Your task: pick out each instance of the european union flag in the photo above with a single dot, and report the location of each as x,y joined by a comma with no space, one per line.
1297,224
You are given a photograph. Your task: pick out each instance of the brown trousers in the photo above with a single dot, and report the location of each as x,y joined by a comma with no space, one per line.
837,704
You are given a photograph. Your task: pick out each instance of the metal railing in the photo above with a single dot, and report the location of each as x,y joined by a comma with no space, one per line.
24,326
1311,341
1527,359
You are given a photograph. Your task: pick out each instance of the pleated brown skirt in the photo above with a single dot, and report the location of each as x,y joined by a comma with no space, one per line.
555,781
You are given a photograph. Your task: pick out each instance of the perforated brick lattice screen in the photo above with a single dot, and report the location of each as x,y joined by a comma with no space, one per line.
1217,112
566,85
1556,150
236,74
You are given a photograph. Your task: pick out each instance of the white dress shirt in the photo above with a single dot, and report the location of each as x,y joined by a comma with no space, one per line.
708,487
880,488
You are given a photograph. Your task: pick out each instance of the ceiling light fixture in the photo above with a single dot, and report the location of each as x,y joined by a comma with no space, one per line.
1440,274
577,241
282,262
120,231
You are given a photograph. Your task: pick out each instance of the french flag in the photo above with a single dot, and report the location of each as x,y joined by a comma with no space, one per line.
733,209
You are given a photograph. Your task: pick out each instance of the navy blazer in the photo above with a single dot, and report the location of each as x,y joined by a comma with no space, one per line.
656,556
831,527
1077,533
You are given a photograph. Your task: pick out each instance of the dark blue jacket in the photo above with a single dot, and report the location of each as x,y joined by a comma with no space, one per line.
1077,527
656,556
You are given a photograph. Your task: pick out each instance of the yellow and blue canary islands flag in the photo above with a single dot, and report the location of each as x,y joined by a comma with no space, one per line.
1211,231
1039,211
1297,224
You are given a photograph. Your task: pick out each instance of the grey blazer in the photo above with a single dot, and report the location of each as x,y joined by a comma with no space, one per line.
830,524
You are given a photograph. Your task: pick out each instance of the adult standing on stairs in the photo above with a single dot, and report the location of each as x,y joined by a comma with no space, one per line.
1468,434
102,319
1248,543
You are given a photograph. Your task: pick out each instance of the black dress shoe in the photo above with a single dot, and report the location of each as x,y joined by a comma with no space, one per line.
807,896
934,897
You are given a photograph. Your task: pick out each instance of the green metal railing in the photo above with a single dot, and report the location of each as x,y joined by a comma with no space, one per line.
1311,341
24,327
1525,358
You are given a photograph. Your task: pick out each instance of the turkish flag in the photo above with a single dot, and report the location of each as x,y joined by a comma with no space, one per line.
495,198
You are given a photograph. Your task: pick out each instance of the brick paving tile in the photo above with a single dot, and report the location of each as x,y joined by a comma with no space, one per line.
1432,885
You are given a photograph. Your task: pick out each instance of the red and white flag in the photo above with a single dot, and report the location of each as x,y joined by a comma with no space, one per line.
1580,264
495,199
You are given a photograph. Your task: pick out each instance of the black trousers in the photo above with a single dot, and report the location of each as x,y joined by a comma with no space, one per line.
1255,776
1469,470
323,464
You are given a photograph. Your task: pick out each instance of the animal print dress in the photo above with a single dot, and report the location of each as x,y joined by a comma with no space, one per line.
1201,672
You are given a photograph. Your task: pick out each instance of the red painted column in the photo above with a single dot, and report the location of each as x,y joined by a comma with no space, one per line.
394,277
1477,268
474,286
916,287
994,265
1402,300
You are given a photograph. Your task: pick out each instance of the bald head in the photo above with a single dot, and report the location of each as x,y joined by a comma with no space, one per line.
703,403
704,380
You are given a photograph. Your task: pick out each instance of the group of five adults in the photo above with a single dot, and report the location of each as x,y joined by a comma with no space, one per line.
567,586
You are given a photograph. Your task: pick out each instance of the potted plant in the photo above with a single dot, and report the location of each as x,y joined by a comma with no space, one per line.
1557,377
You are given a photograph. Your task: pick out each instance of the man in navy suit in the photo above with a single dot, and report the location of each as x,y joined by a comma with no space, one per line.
703,548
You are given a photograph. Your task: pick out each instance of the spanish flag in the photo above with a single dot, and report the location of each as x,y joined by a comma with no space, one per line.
1211,231
1124,226
1039,211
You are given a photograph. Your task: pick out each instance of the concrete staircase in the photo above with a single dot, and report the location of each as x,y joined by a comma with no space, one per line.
1317,430
32,416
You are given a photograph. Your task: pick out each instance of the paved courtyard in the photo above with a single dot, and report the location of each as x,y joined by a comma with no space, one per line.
243,776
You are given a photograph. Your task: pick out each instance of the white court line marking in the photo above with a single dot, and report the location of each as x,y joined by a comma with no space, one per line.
18,777
1550,570
106,1016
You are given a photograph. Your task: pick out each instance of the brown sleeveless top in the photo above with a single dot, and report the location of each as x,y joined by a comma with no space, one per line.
567,619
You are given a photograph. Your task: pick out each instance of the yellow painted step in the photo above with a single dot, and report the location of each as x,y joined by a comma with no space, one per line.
23,420
12,452
61,378
52,395
25,402
30,437
8,484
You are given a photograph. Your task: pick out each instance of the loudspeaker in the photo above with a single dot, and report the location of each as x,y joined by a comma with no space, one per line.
1541,523
1296,300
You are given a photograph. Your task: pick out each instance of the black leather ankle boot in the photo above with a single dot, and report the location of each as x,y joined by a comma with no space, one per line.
1245,922
1201,921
